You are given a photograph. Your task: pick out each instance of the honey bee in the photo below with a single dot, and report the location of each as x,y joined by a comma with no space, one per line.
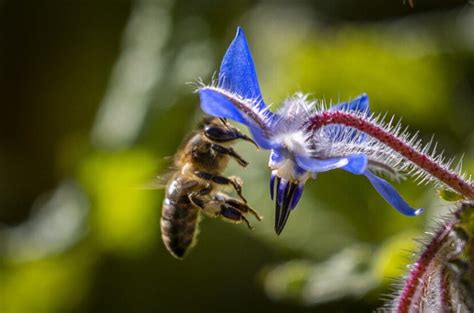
197,185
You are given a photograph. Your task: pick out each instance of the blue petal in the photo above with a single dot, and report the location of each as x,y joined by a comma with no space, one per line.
391,195
262,140
238,95
217,104
277,156
358,104
318,165
237,73
356,163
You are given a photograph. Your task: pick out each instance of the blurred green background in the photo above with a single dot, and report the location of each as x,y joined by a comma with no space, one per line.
95,97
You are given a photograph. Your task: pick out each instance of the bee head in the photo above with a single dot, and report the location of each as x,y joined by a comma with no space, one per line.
219,131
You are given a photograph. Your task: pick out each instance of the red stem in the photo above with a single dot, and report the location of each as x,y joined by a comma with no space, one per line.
419,268
420,295
420,159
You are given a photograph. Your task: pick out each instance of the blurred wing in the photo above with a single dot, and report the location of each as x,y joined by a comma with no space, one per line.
168,169
159,182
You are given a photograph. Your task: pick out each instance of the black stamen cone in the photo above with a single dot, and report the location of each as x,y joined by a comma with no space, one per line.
277,206
282,209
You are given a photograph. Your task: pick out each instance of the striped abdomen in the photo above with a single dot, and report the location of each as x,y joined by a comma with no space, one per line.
179,218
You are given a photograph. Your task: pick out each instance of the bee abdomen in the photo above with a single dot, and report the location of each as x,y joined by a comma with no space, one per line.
178,226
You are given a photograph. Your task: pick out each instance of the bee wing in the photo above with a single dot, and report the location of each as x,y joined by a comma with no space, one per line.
156,183
160,181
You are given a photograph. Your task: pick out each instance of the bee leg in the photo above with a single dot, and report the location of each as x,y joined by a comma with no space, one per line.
233,215
235,181
229,151
242,207
195,196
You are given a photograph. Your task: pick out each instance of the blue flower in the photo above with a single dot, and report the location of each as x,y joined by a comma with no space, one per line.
298,154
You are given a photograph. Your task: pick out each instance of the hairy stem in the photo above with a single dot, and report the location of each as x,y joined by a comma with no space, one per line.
445,291
419,269
420,159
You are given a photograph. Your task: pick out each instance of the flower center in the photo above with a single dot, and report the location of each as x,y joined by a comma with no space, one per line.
282,162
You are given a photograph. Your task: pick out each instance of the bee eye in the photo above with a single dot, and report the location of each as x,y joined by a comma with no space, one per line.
219,134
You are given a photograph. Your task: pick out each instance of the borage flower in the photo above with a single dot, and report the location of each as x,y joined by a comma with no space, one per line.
299,150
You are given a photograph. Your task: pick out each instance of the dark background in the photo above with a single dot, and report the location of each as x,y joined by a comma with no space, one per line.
95,97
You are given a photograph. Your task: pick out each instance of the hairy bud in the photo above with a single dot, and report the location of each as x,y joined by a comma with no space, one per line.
442,278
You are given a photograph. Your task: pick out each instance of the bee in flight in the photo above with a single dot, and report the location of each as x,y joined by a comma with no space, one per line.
197,185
